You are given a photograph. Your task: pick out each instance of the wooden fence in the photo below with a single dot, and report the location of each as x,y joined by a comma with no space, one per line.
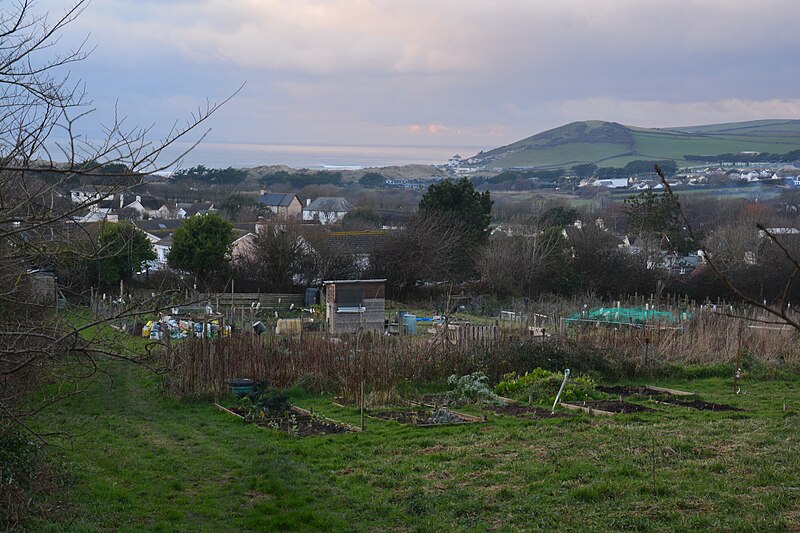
470,336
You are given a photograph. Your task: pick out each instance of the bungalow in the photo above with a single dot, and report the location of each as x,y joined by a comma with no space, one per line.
101,211
202,208
612,183
327,209
155,230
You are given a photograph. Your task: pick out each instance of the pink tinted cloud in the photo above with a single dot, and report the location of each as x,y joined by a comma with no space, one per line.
429,129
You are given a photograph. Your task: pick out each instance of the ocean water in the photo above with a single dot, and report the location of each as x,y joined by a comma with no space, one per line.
223,155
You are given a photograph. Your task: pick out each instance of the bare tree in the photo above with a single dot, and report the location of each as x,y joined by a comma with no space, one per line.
42,152
324,259
519,264
429,248
272,260
784,262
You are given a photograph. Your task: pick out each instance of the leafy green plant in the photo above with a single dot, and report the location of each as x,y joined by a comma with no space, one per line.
265,402
542,386
472,388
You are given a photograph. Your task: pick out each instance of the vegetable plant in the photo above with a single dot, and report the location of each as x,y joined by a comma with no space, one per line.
541,385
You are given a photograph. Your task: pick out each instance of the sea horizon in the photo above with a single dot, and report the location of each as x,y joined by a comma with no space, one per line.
313,156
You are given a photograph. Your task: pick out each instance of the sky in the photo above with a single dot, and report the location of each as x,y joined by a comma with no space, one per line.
433,72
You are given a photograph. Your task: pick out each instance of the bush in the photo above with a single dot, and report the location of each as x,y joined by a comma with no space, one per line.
541,385
265,402
558,354
471,388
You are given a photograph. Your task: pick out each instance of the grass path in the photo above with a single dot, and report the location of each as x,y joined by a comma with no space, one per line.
139,462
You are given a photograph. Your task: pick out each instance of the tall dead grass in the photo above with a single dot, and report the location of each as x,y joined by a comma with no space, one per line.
338,365
202,367
708,338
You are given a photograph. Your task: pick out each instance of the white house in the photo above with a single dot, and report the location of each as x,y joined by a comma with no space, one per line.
91,193
146,206
162,248
327,209
612,183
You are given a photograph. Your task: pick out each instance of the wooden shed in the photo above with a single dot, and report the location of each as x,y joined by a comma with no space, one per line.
353,304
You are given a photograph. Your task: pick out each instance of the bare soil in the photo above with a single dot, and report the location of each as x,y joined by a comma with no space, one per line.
415,416
526,411
629,391
699,404
438,400
616,406
418,417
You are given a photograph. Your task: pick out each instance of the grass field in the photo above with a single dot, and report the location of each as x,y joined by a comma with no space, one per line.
517,199
614,145
137,461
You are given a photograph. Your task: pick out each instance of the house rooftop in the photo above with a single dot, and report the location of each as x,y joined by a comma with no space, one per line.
354,281
357,242
277,199
150,203
200,208
93,188
329,203
162,224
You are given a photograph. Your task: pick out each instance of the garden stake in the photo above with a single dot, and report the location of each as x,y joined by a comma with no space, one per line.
362,405
558,396
737,372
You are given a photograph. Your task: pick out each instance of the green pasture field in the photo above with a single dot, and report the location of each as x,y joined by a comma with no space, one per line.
136,461
618,196
563,147
722,193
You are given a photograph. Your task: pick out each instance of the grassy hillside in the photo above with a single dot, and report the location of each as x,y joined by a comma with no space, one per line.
136,461
612,144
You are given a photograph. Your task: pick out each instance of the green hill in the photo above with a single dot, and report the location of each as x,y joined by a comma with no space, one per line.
614,145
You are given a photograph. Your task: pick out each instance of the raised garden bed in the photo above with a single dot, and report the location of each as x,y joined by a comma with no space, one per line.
647,390
525,411
607,407
305,426
300,422
699,404
426,417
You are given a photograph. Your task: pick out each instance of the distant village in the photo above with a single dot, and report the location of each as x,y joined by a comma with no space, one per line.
159,220
723,174
323,215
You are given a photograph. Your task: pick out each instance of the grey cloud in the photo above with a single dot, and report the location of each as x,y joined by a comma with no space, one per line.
350,70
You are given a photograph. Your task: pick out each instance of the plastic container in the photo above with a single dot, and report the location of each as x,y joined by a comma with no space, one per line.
259,328
409,324
312,297
241,386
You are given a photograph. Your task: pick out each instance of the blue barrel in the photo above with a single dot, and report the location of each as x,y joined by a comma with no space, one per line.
241,386
409,324
312,296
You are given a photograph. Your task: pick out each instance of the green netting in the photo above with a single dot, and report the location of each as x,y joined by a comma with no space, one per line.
627,315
